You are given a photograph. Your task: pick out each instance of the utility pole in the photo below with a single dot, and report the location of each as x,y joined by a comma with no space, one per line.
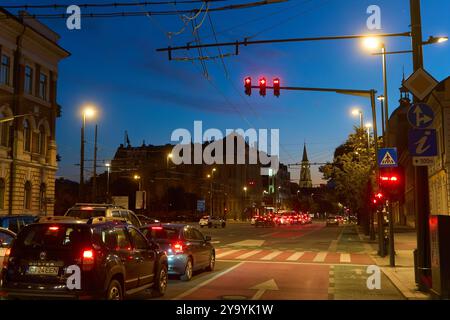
81,190
421,173
94,178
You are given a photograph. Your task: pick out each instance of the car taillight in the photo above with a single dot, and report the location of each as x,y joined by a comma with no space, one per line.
177,247
88,259
157,228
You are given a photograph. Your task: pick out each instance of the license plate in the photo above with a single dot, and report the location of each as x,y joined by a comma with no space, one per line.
40,270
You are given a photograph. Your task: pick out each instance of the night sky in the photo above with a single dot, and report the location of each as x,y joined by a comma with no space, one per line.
115,66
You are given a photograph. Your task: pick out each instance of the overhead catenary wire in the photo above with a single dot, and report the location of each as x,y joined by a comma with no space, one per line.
107,5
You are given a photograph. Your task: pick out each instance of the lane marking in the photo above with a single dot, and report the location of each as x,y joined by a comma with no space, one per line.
320,257
295,256
298,262
272,255
248,243
248,254
226,253
345,257
186,293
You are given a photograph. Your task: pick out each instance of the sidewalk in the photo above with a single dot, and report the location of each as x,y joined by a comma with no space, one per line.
402,275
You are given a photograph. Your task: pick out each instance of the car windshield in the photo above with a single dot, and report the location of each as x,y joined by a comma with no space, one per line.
86,213
52,236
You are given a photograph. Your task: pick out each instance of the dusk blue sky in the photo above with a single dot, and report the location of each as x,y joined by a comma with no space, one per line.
115,66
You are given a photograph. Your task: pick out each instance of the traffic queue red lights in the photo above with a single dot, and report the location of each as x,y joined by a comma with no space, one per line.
262,84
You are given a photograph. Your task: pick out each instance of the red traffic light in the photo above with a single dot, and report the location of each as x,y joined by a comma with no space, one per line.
276,87
262,86
248,86
389,179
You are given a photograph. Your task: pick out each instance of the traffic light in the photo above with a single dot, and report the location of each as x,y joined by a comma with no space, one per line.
378,200
276,87
392,183
248,86
262,86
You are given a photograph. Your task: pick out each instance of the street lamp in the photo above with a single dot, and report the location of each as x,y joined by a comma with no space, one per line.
138,179
381,99
368,126
108,169
87,112
358,112
211,177
168,158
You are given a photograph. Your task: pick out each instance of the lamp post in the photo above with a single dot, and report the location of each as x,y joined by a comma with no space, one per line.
211,177
381,99
88,112
368,126
359,112
108,170
168,158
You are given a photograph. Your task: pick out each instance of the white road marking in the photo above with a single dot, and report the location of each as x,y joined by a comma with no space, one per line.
272,255
186,293
295,256
226,253
345,257
248,243
248,254
320,257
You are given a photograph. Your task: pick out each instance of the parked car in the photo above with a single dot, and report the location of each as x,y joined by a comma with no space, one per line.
6,239
89,210
264,221
115,260
16,222
332,220
188,250
211,222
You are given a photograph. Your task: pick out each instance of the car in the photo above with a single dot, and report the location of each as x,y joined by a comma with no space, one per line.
15,222
89,210
306,218
285,219
148,220
210,222
113,257
6,239
332,220
264,221
253,220
188,250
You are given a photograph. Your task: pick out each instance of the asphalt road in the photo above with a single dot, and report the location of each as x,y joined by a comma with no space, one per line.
311,262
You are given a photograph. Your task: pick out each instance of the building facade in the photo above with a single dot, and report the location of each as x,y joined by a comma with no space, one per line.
29,54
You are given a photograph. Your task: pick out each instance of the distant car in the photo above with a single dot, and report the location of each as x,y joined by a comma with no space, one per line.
332,221
264,221
90,210
115,260
188,250
6,239
285,219
253,220
211,222
16,222
306,218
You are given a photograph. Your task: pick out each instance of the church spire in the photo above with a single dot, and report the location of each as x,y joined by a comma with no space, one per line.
305,172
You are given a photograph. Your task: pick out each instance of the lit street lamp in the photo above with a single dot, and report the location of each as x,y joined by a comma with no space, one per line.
108,169
88,112
368,126
138,179
356,112
211,177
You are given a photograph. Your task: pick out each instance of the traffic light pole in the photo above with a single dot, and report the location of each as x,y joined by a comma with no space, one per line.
391,235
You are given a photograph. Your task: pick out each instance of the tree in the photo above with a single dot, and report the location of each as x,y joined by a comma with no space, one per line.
351,171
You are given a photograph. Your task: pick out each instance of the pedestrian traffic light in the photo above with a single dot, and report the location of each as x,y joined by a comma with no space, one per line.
391,182
248,86
378,200
276,87
262,86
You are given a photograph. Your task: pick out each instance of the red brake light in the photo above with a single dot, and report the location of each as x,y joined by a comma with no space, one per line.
53,228
178,247
157,228
87,259
88,254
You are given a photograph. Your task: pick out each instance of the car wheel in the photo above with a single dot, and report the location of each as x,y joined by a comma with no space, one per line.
187,271
114,291
161,280
212,262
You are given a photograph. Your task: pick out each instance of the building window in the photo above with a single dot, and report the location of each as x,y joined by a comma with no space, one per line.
26,136
5,128
43,86
28,87
2,193
42,197
27,196
42,141
5,69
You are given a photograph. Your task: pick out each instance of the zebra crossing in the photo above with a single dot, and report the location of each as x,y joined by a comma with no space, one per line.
274,255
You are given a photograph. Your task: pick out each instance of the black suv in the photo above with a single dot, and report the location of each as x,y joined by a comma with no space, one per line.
114,259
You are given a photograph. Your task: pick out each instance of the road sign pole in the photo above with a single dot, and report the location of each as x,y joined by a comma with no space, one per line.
391,235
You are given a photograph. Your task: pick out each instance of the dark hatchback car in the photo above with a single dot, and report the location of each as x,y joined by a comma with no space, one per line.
187,249
114,259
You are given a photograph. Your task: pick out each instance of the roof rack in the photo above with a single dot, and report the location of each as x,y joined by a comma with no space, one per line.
94,220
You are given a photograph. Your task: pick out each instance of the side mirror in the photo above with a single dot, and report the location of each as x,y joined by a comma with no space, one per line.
207,238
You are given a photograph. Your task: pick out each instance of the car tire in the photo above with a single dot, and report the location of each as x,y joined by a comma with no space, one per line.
160,284
188,270
212,262
114,291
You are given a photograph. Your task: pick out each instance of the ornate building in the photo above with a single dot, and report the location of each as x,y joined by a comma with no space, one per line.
29,56
305,171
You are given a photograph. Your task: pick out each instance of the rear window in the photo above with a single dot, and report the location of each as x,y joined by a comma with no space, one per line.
52,236
86,214
158,233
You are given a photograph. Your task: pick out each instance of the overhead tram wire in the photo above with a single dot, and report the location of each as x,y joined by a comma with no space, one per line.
108,5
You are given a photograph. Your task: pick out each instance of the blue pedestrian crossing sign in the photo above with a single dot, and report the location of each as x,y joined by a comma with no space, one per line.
420,115
387,158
